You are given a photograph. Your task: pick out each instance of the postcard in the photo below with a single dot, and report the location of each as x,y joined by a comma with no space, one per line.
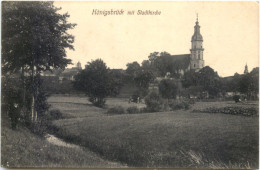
98,84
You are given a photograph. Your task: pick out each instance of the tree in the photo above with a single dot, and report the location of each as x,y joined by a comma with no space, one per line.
133,68
206,78
34,39
249,83
168,89
190,78
210,81
153,102
142,81
96,81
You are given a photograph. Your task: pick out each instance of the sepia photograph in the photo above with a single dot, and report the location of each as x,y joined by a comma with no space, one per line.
127,84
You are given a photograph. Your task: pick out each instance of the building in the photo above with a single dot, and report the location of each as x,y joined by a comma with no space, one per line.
193,61
246,69
67,74
196,51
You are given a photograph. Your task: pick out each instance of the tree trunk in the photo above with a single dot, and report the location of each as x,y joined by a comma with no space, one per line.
33,99
23,81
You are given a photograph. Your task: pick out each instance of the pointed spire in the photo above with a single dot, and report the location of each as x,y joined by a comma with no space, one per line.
246,69
197,36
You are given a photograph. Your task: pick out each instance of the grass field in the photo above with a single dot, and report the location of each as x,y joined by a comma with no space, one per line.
165,139
22,149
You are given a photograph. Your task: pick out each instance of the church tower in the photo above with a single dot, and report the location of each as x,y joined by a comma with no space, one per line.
246,69
196,61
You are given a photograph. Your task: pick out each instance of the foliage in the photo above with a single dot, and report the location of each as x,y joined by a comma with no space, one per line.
247,84
118,77
97,82
132,69
234,110
142,81
168,89
236,98
34,34
190,78
11,99
153,102
207,78
132,109
116,110
180,104
135,96
34,39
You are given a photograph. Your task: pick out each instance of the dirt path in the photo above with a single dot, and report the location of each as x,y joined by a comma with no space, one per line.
59,142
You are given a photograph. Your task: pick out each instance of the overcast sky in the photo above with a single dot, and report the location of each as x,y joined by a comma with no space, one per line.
229,29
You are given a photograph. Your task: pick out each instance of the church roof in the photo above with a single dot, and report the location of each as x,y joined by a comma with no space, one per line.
181,61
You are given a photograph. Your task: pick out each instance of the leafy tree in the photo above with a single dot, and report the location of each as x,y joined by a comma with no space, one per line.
146,66
153,102
254,82
96,81
118,77
190,78
249,83
153,57
206,78
142,81
34,39
209,80
133,68
168,89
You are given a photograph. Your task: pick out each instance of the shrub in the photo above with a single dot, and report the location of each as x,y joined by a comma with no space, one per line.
236,98
251,111
98,102
153,102
116,110
132,109
180,104
135,97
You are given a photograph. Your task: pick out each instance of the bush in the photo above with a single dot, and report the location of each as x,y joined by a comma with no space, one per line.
180,104
153,102
98,102
251,111
116,110
132,109
236,98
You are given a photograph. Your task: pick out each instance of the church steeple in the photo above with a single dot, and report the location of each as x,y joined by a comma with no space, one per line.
197,36
246,69
197,61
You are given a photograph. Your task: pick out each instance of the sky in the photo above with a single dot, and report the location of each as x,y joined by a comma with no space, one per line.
230,32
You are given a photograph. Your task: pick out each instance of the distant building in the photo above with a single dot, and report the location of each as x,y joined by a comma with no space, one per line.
246,69
192,61
67,74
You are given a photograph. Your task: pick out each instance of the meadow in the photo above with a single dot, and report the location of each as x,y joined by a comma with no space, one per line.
22,149
164,139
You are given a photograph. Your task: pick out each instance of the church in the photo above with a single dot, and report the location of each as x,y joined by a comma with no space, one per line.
194,60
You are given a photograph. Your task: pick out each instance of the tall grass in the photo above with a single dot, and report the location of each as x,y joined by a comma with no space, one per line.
199,160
